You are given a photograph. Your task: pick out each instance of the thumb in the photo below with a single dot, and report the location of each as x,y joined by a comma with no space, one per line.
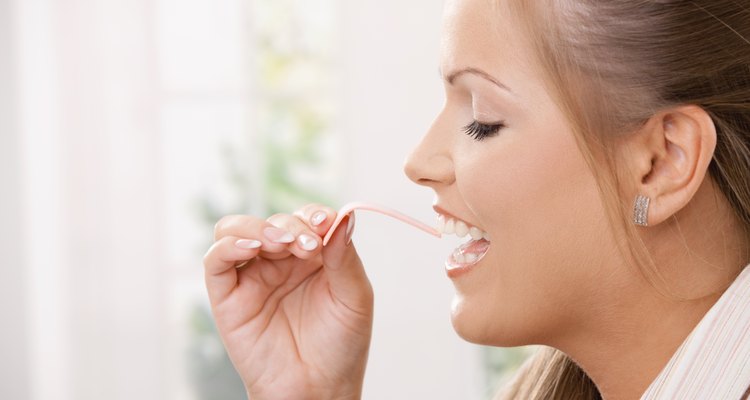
344,270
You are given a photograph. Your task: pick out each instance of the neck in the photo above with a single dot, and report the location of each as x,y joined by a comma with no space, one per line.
631,333
623,360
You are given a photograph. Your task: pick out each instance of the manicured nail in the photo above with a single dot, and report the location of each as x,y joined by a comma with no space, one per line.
248,244
318,218
350,228
278,235
307,242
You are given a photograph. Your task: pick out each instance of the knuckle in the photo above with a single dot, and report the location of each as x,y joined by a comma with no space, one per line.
209,254
234,224
293,223
221,223
310,206
310,209
277,218
326,209
225,223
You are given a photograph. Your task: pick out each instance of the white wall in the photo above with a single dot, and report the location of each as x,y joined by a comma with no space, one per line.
391,94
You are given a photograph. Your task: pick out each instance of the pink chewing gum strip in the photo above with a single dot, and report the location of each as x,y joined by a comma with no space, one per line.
345,210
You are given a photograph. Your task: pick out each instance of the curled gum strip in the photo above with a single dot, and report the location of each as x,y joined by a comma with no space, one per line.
349,208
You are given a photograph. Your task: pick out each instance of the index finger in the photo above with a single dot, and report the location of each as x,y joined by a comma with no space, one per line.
318,218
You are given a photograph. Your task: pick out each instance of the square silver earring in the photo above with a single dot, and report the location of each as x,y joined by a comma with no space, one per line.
640,210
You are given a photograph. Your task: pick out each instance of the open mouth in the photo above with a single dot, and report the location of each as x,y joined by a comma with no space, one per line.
469,253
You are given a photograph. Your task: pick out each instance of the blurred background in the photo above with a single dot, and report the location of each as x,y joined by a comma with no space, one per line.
129,127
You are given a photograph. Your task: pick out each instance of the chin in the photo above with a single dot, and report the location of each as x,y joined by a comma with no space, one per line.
468,323
474,325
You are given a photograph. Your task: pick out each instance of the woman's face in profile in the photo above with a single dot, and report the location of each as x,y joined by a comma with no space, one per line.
549,265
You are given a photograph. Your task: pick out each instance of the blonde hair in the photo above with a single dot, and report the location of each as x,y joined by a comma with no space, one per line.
611,65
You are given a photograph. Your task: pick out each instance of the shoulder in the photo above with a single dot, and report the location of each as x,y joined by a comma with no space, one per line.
712,361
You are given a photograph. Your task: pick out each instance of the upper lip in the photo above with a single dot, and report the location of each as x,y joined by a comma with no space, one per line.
442,211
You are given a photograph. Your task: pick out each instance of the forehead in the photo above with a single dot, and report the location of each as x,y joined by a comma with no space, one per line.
485,34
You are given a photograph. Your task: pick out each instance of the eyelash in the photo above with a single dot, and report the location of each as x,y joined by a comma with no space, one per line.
480,131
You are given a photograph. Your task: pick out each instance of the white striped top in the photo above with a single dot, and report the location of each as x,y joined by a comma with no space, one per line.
714,360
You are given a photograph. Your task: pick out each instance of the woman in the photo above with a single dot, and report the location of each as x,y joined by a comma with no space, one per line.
604,149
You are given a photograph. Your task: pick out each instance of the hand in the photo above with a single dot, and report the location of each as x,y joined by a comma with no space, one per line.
296,323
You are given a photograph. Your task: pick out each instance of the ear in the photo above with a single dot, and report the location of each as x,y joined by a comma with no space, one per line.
670,156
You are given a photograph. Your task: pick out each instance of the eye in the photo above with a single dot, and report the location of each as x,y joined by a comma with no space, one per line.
479,131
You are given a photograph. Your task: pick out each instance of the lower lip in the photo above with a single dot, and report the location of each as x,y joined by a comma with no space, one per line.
478,248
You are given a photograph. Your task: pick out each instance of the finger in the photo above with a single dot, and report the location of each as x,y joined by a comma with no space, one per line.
275,240
307,244
317,217
345,272
221,262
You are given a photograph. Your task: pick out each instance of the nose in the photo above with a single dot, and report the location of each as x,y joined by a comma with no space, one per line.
431,163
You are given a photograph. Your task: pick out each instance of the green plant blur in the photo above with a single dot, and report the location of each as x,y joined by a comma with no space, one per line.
293,76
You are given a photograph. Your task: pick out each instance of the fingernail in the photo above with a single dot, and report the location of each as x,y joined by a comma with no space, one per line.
248,244
307,242
318,218
350,228
278,235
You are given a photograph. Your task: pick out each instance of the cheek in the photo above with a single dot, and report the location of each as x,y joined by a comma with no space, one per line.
540,204
538,185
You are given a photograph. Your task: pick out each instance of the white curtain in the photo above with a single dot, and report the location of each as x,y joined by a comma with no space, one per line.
121,118
14,344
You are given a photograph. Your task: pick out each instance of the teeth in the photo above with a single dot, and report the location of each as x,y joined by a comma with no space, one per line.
464,258
461,229
448,226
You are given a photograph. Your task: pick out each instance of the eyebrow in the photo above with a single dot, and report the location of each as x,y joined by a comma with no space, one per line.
455,74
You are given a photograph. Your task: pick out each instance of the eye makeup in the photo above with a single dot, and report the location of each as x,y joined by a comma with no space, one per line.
484,108
479,131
